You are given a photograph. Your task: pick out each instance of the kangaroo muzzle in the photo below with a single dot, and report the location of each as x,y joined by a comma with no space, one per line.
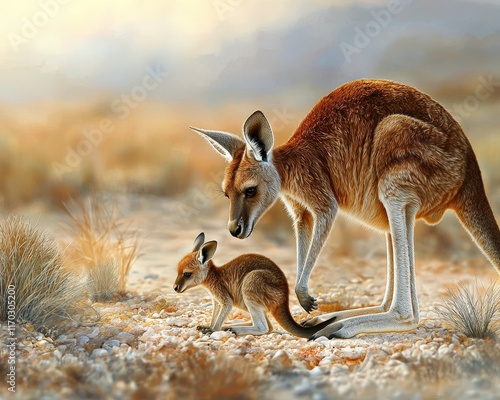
236,227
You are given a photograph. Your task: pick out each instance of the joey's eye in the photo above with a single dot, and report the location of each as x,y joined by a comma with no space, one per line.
250,192
187,275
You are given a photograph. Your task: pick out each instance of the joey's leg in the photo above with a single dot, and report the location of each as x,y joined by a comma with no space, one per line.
216,309
386,302
224,309
321,229
225,327
402,314
259,319
250,323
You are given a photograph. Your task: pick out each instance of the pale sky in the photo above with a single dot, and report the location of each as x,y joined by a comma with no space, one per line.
50,49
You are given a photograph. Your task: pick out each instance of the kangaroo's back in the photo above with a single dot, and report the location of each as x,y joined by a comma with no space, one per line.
351,127
351,112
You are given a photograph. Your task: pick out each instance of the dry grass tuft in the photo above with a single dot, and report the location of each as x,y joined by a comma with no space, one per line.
44,290
104,243
473,310
103,280
203,376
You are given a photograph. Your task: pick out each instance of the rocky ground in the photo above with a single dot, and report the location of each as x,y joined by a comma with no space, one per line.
145,344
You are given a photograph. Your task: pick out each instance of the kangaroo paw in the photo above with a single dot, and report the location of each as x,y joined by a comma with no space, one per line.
204,329
307,302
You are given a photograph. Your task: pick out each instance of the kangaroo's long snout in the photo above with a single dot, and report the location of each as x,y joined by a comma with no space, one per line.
235,227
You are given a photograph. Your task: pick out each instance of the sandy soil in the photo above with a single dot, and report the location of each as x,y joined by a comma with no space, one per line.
146,344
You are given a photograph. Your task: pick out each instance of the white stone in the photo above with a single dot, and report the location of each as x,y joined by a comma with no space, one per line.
304,388
280,360
97,353
219,335
344,389
83,340
125,337
148,335
43,344
351,354
317,372
325,361
94,333
111,343
69,359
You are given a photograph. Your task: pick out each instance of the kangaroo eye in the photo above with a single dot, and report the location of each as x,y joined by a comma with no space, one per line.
250,192
187,275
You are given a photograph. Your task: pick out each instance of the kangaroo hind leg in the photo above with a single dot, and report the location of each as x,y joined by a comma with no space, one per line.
402,314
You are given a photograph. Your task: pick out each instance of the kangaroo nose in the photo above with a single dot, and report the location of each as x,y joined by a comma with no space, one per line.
176,288
235,227
237,231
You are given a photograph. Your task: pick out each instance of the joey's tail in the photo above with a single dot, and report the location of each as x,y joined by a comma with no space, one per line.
474,211
286,320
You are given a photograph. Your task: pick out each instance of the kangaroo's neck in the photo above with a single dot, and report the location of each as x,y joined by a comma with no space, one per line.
288,163
214,281
212,275
300,172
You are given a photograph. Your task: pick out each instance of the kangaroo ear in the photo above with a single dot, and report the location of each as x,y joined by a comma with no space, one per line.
207,251
200,239
258,136
225,143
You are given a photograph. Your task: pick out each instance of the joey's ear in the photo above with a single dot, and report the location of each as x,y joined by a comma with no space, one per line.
200,239
225,143
207,251
258,136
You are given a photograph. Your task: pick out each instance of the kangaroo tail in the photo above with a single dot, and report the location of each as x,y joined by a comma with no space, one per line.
474,211
285,319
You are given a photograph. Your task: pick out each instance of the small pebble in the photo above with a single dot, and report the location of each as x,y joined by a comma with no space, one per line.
218,335
98,353
94,333
125,337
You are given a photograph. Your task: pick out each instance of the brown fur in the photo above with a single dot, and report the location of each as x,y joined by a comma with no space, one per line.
383,153
249,278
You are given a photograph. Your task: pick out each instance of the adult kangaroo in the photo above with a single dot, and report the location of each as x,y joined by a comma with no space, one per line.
382,152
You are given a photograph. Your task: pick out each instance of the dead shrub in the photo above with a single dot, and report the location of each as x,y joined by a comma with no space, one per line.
472,310
103,281
32,267
104,243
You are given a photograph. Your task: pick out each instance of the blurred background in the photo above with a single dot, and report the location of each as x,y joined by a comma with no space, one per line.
98,96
